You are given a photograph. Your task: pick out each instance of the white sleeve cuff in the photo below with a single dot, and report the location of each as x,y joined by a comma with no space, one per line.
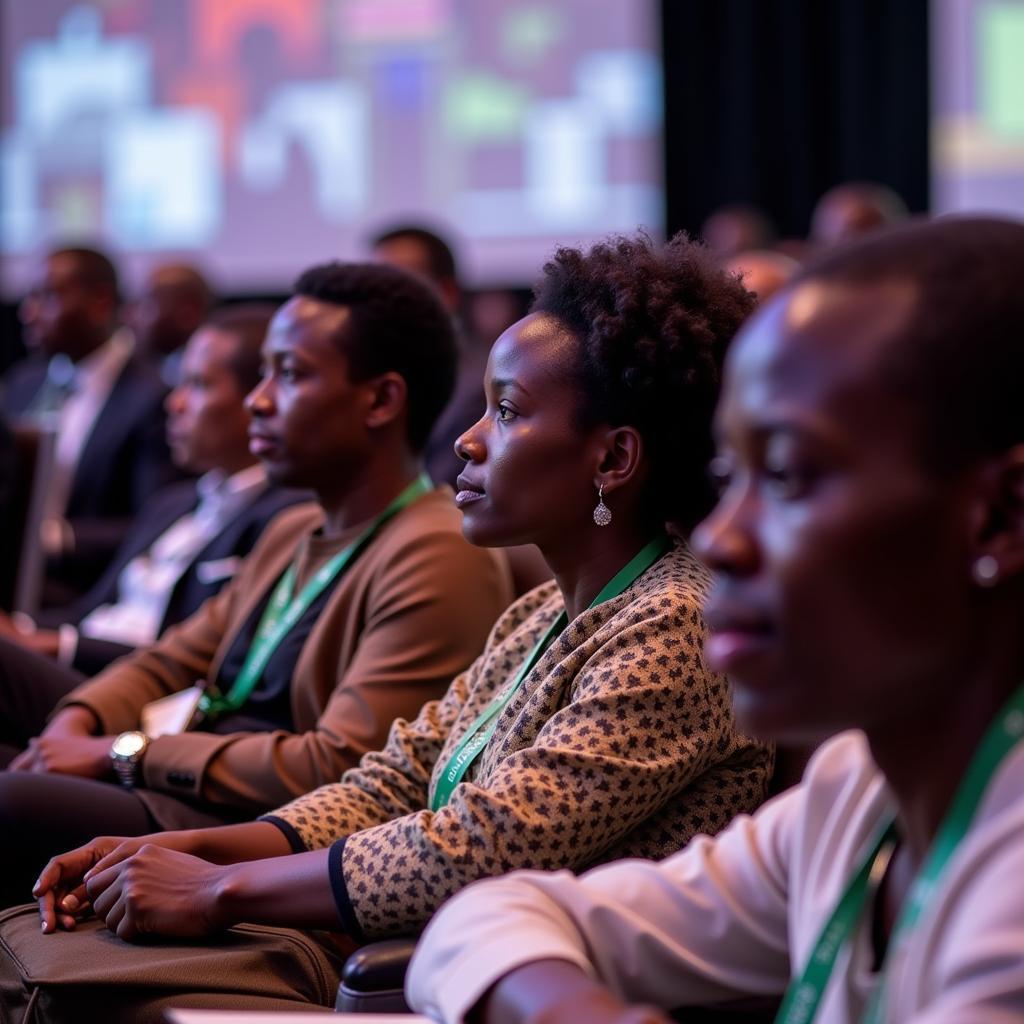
67,643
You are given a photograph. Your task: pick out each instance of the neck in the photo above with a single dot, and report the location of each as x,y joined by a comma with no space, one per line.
367,492
87,346
235,464
924,756
584,564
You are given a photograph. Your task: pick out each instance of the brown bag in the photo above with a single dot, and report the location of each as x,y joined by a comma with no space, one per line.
92,975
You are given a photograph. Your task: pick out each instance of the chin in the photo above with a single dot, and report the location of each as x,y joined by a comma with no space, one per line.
767,717
484,535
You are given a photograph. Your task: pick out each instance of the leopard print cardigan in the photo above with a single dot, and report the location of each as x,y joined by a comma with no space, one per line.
619,743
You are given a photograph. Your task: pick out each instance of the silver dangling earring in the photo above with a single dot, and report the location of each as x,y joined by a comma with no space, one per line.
985,571
602,513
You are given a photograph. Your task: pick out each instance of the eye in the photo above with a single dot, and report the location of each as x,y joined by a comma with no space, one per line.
506,412
786,476
720,471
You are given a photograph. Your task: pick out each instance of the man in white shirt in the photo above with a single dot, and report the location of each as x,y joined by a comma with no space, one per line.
189,539
83,380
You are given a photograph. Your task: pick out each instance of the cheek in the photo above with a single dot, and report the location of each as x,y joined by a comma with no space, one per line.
867,601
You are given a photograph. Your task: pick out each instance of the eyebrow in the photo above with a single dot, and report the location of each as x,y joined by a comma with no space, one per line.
498,383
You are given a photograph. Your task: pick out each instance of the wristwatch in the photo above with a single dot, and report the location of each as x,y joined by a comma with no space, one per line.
126,756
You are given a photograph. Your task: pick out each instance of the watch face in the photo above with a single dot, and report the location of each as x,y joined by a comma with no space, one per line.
129,744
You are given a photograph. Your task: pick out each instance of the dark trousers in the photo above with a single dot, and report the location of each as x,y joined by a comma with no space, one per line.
45,814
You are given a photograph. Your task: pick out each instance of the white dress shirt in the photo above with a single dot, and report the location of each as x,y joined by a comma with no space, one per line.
735,916
148,580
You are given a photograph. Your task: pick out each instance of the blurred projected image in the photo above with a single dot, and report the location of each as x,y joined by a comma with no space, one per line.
978,106
264,135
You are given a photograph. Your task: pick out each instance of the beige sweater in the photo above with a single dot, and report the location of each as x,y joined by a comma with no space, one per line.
410,613
619,743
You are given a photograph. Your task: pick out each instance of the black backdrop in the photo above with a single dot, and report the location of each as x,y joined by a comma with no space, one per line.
773,101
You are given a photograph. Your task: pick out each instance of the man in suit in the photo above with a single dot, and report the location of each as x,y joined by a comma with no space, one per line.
83,380
189,539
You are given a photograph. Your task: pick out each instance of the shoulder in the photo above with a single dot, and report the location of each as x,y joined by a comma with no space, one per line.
20,384
427,535
431,516
290,525
179,496
141,381
841,771
667,599
268,503
678,577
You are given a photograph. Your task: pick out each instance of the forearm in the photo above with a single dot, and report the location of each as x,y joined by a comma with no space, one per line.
238,844
557,992
290,891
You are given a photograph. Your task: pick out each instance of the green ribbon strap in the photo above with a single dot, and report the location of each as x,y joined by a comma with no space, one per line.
482,729
804,995
284,611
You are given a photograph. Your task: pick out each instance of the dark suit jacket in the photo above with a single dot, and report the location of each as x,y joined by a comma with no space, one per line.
124,462
212,567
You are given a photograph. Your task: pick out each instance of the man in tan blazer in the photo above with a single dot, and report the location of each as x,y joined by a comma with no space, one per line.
347,614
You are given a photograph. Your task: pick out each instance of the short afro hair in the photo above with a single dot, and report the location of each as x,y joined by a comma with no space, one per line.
397,323
94,269
654,323
960,354
247,323
440,257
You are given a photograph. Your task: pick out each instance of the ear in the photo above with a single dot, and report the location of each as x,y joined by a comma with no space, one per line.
388,399
620,458
998,539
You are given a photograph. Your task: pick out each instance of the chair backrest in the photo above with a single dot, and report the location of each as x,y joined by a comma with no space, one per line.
21,553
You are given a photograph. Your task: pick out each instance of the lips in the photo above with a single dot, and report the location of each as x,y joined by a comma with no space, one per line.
261,444
739,635
468,492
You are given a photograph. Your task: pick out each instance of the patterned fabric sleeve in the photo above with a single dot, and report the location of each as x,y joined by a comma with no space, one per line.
395,780
643,721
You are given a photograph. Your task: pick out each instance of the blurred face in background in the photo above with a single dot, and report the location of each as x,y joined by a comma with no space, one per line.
207,422
171,306
62,314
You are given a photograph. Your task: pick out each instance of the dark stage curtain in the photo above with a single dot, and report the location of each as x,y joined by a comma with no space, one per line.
771,102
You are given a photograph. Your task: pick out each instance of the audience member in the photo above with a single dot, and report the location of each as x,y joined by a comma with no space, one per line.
346,615
173,303
189,539
588,730
853,209
762,271
869,549
737,227
425,253
105,405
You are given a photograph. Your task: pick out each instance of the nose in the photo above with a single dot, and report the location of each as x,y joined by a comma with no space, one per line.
259,401
28,310
469,446
725,540
174,402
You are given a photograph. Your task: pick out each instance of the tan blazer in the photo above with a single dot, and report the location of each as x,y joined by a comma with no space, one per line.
408,616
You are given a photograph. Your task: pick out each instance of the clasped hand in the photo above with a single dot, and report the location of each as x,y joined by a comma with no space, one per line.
137,887
67,746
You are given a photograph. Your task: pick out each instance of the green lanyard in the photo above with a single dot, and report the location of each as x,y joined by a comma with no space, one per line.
803,996
483,728
283,611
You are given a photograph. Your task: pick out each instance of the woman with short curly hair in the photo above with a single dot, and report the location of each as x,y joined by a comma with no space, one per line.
588,730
